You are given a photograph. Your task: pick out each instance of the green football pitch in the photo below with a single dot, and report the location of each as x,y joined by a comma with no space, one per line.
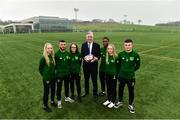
157,90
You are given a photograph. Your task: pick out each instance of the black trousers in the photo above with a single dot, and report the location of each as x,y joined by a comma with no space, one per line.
76,78
59,86
130,83
48,85
90,70
111,82
102,78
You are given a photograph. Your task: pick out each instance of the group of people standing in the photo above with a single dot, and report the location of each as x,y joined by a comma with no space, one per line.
66,66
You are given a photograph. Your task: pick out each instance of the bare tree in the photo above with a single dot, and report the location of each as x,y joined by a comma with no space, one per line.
111,20
125,19
97,21
139,21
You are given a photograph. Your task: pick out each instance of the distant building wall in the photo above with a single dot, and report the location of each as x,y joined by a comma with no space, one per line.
40,24
50,24
1,29
18,28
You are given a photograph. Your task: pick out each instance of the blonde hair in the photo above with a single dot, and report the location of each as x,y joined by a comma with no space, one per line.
114,52
46,55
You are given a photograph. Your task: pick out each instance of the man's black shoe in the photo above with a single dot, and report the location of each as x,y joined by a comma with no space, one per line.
53,104
95,98
79,99
72,97
47,109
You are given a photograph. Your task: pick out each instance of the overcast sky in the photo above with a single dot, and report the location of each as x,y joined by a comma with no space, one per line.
150,11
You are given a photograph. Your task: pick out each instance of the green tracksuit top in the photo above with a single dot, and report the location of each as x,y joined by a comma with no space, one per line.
75,63
128,64
103,60
47,71
111,66
62,63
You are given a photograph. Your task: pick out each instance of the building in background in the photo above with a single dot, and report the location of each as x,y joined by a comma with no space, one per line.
1,28
18,28
40,24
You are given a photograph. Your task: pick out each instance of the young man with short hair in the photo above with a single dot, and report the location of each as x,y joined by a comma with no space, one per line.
62,58
129,62
102,78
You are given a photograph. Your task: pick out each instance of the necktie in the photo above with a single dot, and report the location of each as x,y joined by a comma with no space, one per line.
89,46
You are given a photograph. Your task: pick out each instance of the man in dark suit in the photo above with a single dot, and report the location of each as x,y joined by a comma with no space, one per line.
90,53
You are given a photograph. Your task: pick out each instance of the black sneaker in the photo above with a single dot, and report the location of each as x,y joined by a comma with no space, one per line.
47,109
102,94
131,109
53,104
79,99
72,97
95,98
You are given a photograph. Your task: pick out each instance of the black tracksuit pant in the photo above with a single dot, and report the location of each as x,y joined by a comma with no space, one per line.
59,86
130,83
48,86
111,82
102,80
75,78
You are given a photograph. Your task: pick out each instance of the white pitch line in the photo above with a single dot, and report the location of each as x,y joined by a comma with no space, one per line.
150,45
149,50
162,58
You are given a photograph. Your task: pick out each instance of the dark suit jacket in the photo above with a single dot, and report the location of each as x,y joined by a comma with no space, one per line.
95,51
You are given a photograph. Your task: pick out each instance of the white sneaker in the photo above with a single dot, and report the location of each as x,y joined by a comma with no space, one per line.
111,105
68,99
118,104
59,104
106,103
131,109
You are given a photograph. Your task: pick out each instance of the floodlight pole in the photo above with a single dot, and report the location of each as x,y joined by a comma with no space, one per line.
76,10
